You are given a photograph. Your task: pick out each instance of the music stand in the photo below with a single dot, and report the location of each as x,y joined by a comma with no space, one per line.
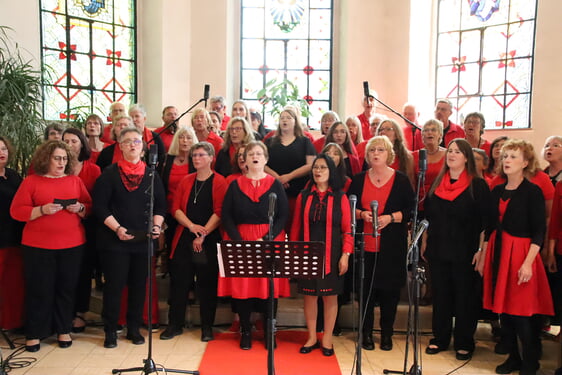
271,259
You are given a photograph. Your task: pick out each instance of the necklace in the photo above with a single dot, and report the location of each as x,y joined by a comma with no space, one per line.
197,191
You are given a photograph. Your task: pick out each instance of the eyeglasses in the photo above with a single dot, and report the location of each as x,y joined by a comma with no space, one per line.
554,145
377,149
130,142
60,158
236,129
320,168
386,129
199,155
429,130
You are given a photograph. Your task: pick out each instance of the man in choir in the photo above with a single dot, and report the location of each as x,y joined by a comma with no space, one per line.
412,134
115,109
444,110
369,108
218,105
169,114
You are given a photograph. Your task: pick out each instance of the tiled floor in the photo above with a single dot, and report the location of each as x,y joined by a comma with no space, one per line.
87,355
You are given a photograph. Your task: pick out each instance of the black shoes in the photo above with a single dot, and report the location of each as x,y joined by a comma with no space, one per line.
308,349
33,348
462,356
328,352
508,366
135,336
207,334
368,343
246,341
64,344
170,332
337,330
110,340
386,343
433,349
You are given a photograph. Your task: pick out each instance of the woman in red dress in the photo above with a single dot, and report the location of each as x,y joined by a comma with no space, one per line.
94,129
88,172
515,283
245,217
385,255
322,214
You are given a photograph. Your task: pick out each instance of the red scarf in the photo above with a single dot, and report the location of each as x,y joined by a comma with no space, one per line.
131,174
255,192
450,191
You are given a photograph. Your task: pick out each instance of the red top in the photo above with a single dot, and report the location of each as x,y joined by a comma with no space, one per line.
415,142
166,136
361,152
225,121
365,126
452,132
177,173
431,173
89,174
215,140
106,135
540,179
555,227
62,230
319,144
379,194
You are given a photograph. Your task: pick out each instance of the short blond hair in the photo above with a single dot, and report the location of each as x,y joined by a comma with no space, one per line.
381,140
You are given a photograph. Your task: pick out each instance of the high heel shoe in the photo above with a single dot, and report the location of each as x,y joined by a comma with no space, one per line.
33,348
78,329
64,344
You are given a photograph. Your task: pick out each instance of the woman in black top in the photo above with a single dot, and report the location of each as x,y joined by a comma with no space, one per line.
120,203
290,156
457,210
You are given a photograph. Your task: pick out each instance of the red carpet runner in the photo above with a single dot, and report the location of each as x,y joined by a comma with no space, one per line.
224,357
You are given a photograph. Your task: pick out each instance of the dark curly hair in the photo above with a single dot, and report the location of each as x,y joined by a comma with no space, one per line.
42,157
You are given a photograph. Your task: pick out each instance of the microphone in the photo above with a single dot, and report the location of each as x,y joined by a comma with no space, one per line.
374,209
423,160
353,203
424,224
206,94
153,154
366,91
272,200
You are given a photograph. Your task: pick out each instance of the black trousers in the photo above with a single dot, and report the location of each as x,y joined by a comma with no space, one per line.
183,273
387,299
455,294
527,329
245,307
50,289
124,268
89,263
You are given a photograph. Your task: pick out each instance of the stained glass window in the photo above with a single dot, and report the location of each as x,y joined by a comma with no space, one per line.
88,54
485,59
287,40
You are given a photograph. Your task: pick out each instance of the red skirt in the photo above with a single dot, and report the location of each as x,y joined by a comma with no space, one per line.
507,297
252,287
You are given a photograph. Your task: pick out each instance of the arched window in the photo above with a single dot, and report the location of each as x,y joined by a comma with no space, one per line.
88,56
287,41
485,59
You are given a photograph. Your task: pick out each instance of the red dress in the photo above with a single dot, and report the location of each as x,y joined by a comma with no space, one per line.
431,173
526,299
252,287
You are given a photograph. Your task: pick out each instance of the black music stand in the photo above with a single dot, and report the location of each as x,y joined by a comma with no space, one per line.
271,259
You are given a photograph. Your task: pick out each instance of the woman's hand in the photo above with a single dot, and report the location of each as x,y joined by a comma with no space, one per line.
476,259
75,207
285,179
367,216
198,230
384,220
51,208
525,273
156,231
123,235
344,263
198,244
550,263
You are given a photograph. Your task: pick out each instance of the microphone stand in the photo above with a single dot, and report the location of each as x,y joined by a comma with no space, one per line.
175,122
149,364
270,339
418,278
412,124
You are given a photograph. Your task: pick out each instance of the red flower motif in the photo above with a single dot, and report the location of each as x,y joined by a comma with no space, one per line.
458,64
263,69
308,70
309,99
500,124
507,59
62,55
64,116
117,55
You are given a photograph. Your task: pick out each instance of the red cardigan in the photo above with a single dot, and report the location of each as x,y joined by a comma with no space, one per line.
62,230
182,195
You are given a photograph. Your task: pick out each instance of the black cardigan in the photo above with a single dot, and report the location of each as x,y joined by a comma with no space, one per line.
455,226
110,197
390,272
525,215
